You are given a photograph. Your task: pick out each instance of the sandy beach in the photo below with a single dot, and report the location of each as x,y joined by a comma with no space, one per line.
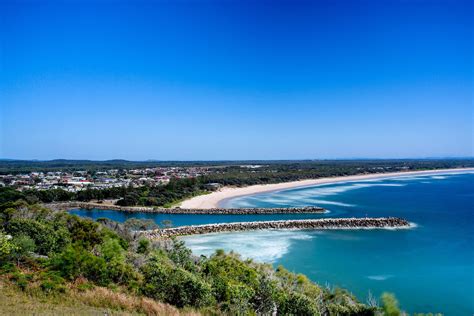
213,199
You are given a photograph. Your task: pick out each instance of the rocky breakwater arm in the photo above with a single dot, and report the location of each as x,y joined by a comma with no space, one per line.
245,211
177,210
327,223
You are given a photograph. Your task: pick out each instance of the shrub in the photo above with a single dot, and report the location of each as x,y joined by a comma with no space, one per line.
20,279
24,246
266,295
143,246
6,246
140,224
238,298
52,282
113,253
84,232
297,282
7,267
298,304
129,200
47,239
9,194
111,249
76,261
6,215
181,255
176,286
121,272
341,302
234,281
224,269
390,305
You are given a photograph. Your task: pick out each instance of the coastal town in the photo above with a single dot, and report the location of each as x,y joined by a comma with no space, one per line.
74,177
74,181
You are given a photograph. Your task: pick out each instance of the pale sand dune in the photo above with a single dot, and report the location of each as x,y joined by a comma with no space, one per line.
213,199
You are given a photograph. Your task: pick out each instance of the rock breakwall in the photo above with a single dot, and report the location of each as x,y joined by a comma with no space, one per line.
177,210
327,223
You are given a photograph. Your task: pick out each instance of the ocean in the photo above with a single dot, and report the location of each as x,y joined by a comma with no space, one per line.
430,268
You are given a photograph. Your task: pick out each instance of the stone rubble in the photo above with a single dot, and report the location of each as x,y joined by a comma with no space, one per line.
326,223
177,210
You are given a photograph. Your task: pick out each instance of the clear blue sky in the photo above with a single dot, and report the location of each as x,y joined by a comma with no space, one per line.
195,80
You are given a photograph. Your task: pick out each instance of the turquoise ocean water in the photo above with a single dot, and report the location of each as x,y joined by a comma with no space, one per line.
430,268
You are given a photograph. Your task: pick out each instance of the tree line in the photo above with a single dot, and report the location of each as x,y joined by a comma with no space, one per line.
8,166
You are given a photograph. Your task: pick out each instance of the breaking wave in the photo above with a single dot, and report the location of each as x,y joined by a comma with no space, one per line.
262,246
315,195
381,277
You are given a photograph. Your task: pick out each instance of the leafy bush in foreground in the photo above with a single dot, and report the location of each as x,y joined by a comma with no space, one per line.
166,282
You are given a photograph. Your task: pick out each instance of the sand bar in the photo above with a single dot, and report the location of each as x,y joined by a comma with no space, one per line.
213,199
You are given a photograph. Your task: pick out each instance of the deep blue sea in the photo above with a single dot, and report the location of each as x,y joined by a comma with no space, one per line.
430,268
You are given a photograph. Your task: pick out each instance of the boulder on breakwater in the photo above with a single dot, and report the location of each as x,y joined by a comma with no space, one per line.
326,223
177,210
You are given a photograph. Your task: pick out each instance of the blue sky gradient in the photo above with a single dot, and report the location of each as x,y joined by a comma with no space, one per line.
202,80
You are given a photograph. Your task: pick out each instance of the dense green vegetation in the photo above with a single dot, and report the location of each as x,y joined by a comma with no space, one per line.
163,195
43,252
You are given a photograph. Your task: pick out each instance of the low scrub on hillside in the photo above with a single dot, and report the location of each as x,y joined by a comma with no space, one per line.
105,264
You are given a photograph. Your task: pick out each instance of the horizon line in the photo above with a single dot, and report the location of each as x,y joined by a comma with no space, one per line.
239,160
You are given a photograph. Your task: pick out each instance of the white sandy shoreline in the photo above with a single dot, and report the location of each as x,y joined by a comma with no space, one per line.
213,199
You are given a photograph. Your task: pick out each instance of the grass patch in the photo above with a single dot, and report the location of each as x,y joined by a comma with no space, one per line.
80,299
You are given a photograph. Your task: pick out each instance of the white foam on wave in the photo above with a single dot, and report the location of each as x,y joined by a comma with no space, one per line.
307,195
422,177
325,191
320,191
459,172
276,199
312,194
370,180
326,202
240,202
407,178
381,277
439,177
263,245
411,225
283,201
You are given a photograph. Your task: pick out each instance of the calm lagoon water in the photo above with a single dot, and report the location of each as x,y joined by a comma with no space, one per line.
430,268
